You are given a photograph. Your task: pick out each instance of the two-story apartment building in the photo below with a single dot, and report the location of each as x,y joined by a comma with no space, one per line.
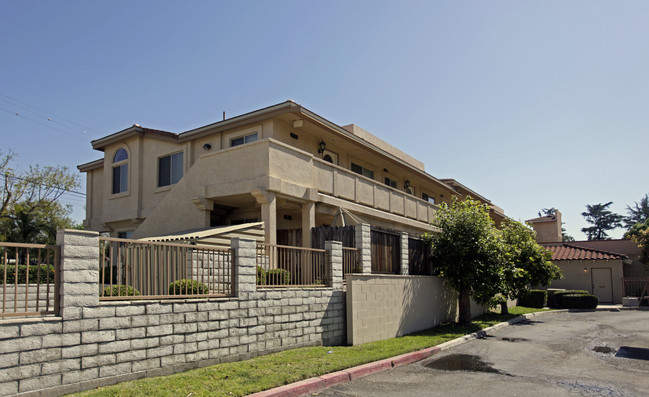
283,165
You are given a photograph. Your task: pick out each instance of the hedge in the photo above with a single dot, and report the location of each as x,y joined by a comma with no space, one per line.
188,287
273,276
536,298
579,301
558,297
34,276
120,290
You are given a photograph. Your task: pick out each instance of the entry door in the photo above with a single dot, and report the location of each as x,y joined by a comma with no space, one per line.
602,284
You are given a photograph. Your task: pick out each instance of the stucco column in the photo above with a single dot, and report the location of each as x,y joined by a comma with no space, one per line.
404,254
269,217
245,263
79,271
364,246
308,222
335,263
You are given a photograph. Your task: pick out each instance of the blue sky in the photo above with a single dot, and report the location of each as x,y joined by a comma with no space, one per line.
531,104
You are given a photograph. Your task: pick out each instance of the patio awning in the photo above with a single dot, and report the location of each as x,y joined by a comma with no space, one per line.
345,218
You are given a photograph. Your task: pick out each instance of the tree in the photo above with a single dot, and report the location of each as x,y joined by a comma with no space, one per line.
640,234
29,207
528,263
602,220
638,214
468,252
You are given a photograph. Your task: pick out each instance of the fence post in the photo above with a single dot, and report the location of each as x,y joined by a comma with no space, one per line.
364,245
404,254
335,263
245,266
79,271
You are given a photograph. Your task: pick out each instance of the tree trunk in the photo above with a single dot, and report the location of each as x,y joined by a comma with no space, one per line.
465,306
503,308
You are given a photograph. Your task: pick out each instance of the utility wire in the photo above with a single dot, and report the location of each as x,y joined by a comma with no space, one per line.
44,124
26,105
44,185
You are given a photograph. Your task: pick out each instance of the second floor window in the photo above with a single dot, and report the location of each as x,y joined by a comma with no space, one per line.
120,171
428,198
170,169
243,139
362,170
390,182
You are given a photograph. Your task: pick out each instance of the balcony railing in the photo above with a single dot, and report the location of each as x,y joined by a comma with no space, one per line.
29,279
132,269
285,266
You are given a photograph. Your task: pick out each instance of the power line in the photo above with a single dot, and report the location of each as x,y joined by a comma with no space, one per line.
48,113
44,185
43,124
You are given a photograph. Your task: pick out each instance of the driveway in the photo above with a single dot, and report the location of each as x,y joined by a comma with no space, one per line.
557,354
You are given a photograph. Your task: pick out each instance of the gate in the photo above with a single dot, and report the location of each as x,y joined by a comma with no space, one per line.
386,251
419,262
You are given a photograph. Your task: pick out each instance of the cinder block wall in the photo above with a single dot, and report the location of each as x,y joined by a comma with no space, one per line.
95,344
386,306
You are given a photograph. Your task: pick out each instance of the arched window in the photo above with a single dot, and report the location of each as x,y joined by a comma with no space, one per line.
120,171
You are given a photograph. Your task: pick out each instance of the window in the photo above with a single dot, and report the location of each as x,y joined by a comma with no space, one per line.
242,221
428,198
120,171
170,169
243,139
362,170
390,182
128,234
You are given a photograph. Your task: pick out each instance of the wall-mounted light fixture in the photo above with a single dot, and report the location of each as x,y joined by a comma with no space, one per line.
585,270
407,184
321,147
207,146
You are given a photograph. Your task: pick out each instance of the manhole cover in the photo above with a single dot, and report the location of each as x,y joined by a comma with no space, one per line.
464,362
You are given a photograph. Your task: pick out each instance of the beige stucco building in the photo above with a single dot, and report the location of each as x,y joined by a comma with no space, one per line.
282,165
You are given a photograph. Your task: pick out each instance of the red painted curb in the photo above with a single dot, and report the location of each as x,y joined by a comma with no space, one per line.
335,378
311,385
368,369
409,358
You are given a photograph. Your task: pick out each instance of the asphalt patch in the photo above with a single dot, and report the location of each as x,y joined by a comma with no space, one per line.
515,340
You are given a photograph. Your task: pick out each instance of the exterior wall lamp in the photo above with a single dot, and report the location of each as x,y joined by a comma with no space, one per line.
207,146
321,147
407,184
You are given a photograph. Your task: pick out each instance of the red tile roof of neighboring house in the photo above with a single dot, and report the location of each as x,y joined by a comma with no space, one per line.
571,252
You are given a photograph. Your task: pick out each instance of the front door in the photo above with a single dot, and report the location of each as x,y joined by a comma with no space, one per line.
602,284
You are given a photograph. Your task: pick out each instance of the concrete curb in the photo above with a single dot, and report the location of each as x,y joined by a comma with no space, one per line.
319,383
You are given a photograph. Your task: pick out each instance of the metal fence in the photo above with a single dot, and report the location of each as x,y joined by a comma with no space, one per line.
351,262
29,283
132,269
286,266
636,286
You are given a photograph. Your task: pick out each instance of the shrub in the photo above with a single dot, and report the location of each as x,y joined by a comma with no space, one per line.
34,276
536,298
261,276
558,296
120,290
273,276
278,277
188,287
579,301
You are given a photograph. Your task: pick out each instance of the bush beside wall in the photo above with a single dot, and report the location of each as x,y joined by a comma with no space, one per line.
579,301
557,297
536,298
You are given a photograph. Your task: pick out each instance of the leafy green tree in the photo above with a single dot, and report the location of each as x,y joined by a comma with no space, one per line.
468,252
639,213
602,220
640,234
29,208
528,263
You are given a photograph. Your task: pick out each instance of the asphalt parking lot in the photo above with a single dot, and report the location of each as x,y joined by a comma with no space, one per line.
556,354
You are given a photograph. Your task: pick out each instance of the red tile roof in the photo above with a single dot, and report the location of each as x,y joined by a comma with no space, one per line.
571,252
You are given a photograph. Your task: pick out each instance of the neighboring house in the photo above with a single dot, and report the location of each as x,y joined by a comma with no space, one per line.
598,266
282,165
598,272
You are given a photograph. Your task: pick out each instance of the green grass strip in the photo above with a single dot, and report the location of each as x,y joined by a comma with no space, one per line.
277,369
